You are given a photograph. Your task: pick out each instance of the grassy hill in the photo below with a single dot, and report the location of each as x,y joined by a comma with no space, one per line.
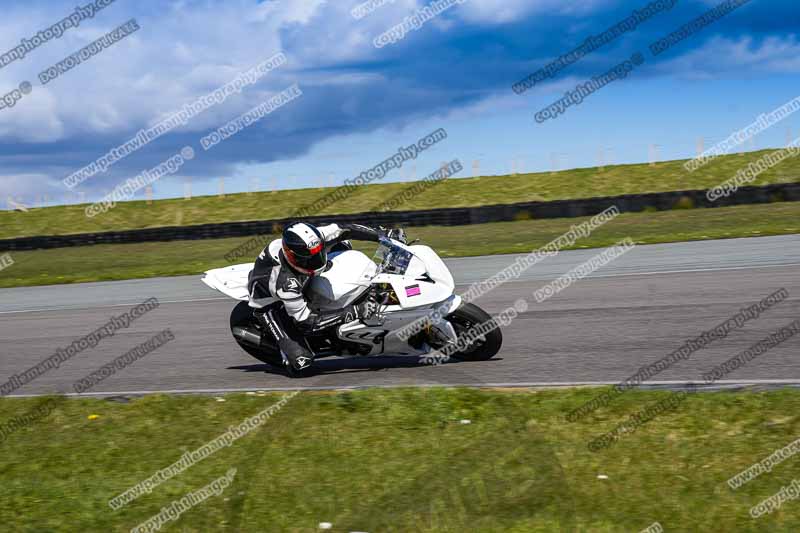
456,192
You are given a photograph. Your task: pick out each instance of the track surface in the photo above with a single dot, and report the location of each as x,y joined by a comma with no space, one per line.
602,329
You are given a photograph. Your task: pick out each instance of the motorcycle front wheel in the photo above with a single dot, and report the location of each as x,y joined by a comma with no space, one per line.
486,346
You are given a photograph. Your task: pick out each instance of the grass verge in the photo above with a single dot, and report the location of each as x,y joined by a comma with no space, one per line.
457,192
127,261
401,460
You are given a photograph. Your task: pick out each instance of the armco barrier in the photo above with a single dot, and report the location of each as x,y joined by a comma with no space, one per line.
455,216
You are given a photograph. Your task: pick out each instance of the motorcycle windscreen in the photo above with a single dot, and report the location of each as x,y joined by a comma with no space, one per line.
394,259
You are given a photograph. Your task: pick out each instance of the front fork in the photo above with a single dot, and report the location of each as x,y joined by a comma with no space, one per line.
443,331
439,328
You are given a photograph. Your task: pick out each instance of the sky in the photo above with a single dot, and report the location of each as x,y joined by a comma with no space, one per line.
361,102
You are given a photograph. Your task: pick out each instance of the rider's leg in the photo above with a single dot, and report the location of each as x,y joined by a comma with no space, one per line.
290,341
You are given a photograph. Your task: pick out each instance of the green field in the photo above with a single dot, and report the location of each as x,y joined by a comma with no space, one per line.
402,460
456,192
126,261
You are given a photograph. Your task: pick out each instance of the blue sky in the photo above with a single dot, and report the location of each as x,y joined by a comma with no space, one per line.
360,102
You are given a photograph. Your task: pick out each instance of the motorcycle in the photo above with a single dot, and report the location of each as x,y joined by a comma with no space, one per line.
405,284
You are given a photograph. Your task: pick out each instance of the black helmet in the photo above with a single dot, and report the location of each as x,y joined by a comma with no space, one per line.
304,248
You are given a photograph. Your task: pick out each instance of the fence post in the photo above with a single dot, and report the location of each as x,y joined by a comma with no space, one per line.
476,168
187,188
148,193
221,192
654,154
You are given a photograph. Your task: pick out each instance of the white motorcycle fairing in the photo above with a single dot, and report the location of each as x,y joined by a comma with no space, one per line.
426,281
333,289
230,281
425,284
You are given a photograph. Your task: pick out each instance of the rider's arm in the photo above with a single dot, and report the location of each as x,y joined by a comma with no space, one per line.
291,294
258,278
308,321
335,233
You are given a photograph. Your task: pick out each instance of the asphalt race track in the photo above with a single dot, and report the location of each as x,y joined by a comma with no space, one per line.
602,329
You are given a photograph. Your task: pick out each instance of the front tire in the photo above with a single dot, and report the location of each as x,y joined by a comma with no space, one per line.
485,347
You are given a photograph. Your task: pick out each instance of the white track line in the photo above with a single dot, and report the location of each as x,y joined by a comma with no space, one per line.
501,385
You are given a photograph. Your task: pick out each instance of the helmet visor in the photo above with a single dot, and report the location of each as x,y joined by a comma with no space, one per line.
310,261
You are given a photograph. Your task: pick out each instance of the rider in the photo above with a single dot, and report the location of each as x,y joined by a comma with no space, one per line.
282,271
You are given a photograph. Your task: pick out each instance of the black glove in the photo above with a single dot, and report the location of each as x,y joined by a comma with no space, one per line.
367,308
318,322
397,234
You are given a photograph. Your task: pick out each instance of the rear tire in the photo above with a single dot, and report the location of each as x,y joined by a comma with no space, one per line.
242,316
466,317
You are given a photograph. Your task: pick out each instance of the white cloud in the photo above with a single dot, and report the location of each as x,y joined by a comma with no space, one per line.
285,12
33,119
722,56
144,76
506,11
198,46
25,187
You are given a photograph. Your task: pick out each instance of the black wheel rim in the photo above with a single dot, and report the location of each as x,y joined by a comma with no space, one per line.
462,325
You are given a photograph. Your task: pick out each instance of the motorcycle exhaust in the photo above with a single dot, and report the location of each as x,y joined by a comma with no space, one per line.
246,335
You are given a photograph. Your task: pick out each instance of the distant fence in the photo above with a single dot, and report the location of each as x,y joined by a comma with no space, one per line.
455,216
